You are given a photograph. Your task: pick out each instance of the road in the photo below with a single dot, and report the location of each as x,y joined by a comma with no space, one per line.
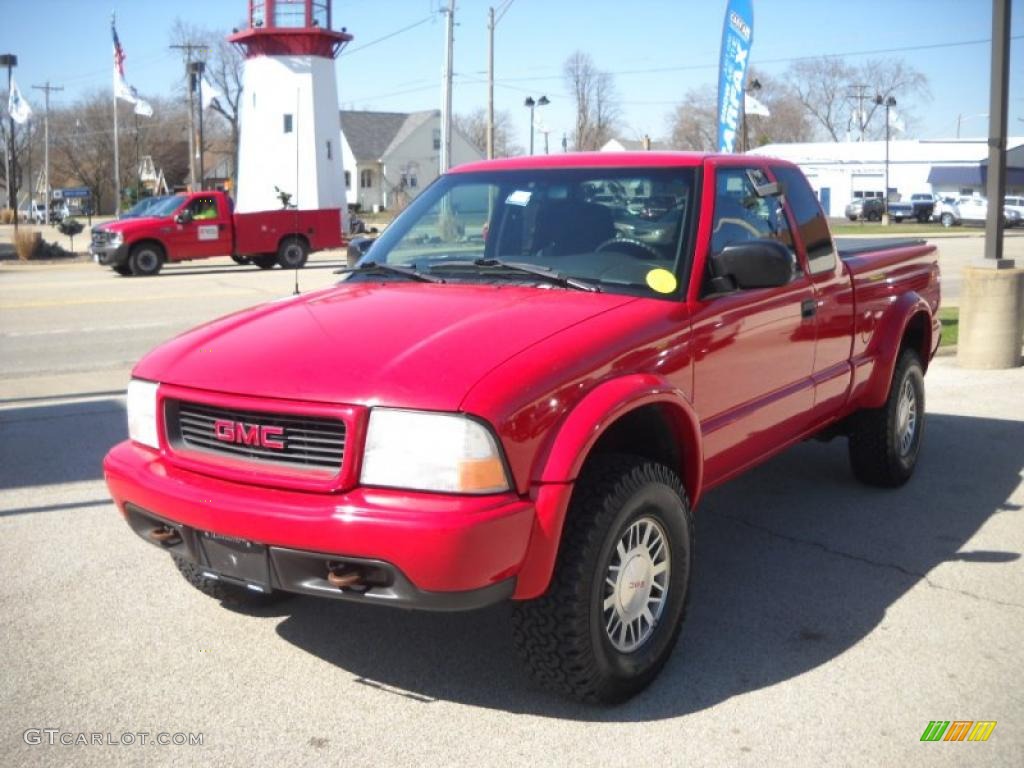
829,623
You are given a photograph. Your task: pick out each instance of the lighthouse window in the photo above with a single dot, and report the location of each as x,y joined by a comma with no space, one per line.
287,123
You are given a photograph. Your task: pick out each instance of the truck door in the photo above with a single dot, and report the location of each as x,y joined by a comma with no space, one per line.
754,348
833,292
206,230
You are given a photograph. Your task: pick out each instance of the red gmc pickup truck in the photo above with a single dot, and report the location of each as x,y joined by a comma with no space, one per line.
201,225
522,391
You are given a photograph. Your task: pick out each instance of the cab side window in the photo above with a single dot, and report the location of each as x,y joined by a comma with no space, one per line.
810,220
203,209
742,215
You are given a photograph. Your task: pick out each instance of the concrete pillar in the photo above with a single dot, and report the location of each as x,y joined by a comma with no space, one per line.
991,318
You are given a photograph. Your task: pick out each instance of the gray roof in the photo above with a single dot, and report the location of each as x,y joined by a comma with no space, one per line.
372,134
637,145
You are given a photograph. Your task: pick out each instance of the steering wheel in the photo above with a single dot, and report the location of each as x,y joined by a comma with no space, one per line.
640,246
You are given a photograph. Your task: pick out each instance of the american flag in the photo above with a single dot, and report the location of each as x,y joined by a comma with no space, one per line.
118,50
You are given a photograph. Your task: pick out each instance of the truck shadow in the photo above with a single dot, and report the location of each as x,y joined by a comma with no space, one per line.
186,269
796,563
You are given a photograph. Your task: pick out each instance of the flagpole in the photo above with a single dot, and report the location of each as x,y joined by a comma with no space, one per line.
117,159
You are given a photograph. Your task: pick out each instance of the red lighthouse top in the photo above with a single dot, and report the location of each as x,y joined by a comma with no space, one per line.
290,28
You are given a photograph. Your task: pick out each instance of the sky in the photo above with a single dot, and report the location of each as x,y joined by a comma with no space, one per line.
656,50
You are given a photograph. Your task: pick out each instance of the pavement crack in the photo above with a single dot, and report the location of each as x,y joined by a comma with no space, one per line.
868,561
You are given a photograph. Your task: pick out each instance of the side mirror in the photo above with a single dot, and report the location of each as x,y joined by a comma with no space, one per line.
184,217
753,264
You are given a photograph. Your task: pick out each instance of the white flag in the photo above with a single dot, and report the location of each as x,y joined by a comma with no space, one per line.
896,122
17,107
211,93
754,107
143,108
124,91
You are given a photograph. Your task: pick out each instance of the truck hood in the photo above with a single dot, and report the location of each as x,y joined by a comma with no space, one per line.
127,227
412,345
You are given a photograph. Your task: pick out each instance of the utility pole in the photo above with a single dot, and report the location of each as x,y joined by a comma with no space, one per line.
188,48
10,61
493,17
860,90
446,89
46,89
196,69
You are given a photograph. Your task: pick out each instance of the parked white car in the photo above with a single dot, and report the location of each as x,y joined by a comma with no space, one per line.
974,210
945,212
1014,203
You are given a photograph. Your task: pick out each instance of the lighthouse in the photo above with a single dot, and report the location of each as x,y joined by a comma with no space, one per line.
290,134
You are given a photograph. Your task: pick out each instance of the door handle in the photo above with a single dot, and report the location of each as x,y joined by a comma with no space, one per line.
808,308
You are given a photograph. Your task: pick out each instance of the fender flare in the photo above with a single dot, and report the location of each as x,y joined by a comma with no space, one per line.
559,464
886,342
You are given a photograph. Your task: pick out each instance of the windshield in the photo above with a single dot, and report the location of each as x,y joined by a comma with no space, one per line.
165,207
611,228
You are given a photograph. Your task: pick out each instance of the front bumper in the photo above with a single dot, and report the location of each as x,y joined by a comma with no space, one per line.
432,551
109,255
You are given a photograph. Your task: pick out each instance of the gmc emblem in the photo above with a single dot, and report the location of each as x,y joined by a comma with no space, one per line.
249,434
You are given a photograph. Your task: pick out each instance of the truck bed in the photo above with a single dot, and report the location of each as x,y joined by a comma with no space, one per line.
849,247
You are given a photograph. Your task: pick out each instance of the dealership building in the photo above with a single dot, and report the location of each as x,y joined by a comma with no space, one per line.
844,171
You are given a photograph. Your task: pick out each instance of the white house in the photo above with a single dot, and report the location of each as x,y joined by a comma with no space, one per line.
843,171
619,144
390,156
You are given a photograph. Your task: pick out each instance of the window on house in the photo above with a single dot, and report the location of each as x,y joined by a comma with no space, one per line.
348,180
413,182
287,123
366,178
328,150
437,138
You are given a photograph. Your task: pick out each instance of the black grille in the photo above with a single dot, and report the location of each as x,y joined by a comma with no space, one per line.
315,442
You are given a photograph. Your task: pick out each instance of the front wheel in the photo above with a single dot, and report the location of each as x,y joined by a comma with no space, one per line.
146,260
947,220
885,442
615,606
122,269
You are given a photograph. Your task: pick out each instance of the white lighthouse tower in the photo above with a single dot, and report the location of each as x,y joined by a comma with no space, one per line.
290,134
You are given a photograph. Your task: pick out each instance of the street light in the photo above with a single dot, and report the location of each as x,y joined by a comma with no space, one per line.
532,104
755,85
888,102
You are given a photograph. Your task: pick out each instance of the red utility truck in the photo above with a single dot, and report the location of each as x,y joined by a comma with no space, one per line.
201,225
556,358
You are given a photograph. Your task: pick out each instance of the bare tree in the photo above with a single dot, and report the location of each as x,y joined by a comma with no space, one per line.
597,103
693,123
474,127
824,87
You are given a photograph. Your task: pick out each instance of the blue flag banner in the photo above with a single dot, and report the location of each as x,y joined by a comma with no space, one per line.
737,35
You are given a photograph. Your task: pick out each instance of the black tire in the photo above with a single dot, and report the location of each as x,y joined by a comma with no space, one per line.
923,218
881,452
265,260
232,594
122,269
874,216
852,218
146,259
899,219
563,635
292,253
947,220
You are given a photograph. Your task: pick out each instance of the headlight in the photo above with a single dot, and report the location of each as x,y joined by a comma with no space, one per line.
116,238
431,452
141,405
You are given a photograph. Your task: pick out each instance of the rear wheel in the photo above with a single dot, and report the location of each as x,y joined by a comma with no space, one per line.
874,216
610,618
264,260
292,253
885,442
146,260
222,590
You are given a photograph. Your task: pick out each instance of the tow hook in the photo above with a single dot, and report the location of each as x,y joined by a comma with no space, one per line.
341,576
165,536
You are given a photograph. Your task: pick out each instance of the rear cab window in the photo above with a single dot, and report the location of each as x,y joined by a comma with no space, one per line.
810,220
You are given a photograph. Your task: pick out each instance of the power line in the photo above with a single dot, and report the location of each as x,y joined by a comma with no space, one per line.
388,36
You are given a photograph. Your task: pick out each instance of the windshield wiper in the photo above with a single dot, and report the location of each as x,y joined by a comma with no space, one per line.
390,269
544,273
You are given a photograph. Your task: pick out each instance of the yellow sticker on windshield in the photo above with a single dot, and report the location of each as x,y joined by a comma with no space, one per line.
661,281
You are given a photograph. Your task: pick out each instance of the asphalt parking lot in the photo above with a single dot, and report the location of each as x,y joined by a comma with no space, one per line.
829,622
